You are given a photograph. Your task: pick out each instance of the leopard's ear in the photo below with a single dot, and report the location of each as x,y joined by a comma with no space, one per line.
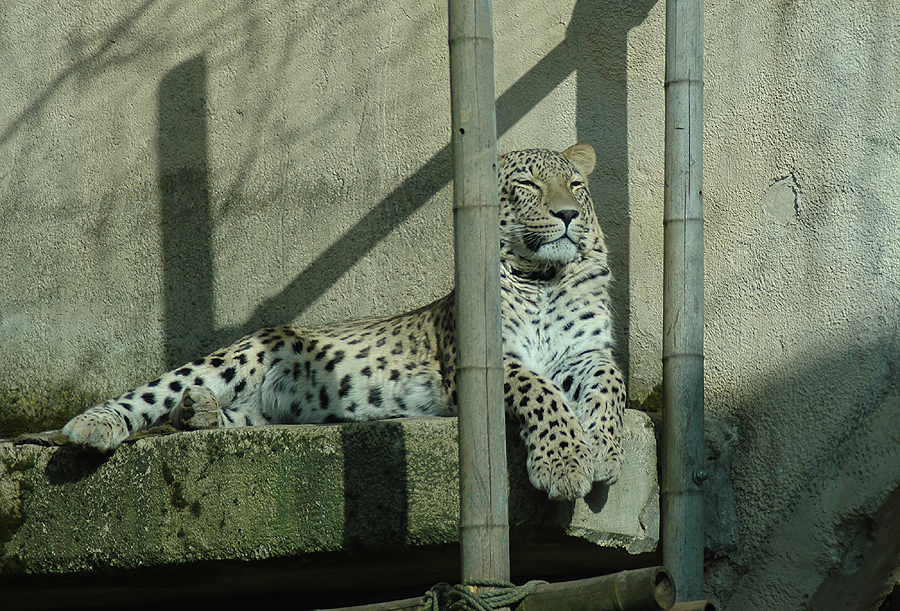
582,157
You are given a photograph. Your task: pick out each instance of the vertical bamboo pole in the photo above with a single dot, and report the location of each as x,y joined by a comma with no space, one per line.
683,448
484,523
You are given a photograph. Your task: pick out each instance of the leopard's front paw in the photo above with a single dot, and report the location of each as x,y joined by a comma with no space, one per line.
198,409
100,427
563,468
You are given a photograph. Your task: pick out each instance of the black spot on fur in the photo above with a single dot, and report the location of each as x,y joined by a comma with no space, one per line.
337,358
228,374
344,389
149,397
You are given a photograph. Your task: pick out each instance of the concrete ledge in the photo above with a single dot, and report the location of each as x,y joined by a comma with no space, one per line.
255,495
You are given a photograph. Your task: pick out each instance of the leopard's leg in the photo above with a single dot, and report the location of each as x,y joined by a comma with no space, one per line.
226,382
596,388
559,457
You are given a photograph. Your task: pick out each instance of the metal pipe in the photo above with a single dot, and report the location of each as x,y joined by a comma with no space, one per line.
484,522
683,469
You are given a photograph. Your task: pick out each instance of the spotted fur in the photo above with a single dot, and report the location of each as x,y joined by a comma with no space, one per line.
561,383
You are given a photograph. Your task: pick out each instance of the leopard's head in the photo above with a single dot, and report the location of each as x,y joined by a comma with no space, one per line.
547,218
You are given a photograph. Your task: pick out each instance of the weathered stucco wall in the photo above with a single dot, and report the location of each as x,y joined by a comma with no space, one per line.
173,174
802,208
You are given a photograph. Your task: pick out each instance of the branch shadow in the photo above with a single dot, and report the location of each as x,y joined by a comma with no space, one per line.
597,49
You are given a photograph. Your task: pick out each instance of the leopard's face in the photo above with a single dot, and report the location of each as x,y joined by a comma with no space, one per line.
546,214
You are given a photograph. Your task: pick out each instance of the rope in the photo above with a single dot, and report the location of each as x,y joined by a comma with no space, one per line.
490,595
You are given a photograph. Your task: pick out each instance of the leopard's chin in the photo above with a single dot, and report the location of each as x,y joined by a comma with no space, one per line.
557,252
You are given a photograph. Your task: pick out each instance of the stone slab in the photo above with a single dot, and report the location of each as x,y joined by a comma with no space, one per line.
257,495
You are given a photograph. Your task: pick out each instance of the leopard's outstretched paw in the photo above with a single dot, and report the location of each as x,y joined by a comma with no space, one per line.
101,427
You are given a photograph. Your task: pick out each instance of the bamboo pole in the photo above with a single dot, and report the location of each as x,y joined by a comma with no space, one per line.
647,589
683,450
484,523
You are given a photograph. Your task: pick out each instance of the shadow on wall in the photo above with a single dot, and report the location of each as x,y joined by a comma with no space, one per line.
817,472
595,47
183,172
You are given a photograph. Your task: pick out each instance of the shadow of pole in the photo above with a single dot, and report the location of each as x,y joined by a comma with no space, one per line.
376,512
599,32
185,214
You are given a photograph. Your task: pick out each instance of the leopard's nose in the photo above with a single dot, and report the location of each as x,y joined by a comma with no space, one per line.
566,215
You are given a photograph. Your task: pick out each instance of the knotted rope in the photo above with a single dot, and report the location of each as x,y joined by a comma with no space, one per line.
490,595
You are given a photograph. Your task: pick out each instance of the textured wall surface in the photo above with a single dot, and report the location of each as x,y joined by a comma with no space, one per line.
803,267
173,174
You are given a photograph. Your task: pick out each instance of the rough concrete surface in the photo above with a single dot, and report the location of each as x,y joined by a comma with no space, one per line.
176,173
281,493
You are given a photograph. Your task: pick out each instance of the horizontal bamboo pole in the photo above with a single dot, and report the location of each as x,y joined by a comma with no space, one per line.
647,589
638,590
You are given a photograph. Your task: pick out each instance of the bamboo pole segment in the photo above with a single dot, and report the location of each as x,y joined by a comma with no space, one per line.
484,522
682,434
642,589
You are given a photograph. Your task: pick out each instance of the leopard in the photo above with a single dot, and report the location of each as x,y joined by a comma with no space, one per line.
560,380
